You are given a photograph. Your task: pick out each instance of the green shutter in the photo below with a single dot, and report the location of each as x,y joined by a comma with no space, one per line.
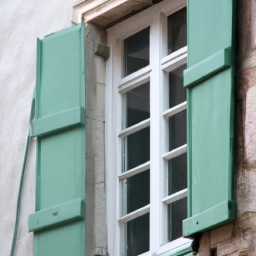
59,221
209,80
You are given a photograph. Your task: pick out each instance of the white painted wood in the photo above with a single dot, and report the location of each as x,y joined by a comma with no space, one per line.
111,169
135,214
84,6
155,131
134,171
172,245
175,110
145,18
174,55
176,152
175,197
104,7
174,63
134,128
135,79
116,86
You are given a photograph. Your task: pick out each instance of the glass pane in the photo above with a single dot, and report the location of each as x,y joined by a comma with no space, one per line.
136,192
177,212
137,108
177,130
136,51
136,149
177,30
177,93
177,174
137,236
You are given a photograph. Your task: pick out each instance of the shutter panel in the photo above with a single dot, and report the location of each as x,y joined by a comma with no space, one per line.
59,125
209,80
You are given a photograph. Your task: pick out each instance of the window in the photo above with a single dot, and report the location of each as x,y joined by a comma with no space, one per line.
146,131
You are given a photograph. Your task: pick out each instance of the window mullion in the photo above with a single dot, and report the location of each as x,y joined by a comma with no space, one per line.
155,143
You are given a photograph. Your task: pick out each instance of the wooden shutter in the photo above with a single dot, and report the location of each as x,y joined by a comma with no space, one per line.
210,107
58,221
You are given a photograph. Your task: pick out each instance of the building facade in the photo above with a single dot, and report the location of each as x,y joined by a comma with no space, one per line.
113,127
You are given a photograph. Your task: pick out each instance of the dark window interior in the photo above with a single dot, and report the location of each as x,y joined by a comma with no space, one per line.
136,51
137,235
177,30
138,105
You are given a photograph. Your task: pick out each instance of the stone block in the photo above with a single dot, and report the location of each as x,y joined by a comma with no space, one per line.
221,234
250,122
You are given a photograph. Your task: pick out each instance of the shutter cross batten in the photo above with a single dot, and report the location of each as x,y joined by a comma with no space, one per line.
57,122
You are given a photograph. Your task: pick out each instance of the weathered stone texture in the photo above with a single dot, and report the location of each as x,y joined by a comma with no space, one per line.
250,121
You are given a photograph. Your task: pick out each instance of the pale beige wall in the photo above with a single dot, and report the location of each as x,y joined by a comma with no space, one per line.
21,23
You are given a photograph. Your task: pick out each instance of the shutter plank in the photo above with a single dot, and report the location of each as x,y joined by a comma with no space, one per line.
60,129
209,80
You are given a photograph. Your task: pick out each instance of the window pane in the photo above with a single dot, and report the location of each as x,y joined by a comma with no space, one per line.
136,192
136,51
177,92
136,149
177,174
137,236
177,212
177,130
177,30
137,105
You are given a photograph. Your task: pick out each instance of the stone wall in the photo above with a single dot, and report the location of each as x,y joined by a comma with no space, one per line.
239,238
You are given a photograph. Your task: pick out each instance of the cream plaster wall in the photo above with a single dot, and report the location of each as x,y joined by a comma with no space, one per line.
21,23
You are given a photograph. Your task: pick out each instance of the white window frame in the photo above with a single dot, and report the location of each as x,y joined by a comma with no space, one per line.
116,85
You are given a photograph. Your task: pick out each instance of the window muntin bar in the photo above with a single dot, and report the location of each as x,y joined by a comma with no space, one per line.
175,197
134,128
135,214
176,152
134,80
134,171
175,110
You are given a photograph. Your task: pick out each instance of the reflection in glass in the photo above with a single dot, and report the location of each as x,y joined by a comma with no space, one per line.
177,30
136,149
137,108
177,130
136,51
177,212
137,236
177,174
136,192
177,92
